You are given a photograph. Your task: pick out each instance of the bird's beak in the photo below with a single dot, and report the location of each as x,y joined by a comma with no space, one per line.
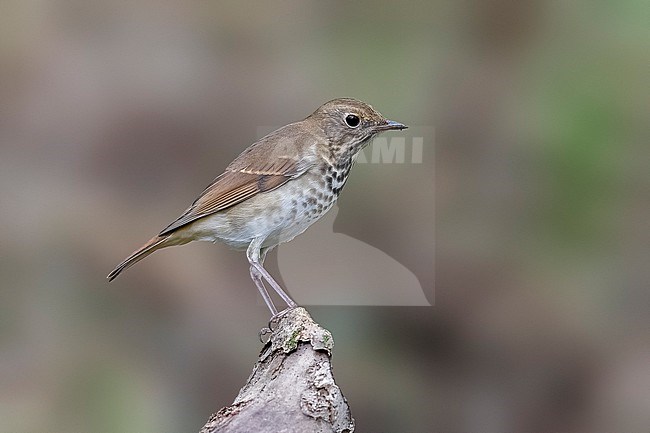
390,125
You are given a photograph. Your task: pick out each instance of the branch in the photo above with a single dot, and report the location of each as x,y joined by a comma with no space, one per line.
292,388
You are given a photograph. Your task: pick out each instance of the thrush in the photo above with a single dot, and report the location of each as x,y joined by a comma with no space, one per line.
276,188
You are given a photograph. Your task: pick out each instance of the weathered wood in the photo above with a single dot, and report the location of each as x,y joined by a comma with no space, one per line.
292,388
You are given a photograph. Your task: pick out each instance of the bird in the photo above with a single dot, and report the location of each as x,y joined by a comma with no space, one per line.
275,189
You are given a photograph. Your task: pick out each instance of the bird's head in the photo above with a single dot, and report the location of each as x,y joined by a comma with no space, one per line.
349,124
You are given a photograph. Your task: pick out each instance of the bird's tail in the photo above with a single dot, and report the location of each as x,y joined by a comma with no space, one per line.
155,243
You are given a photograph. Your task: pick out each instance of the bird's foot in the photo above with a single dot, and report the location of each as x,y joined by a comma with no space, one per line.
275,319
265,333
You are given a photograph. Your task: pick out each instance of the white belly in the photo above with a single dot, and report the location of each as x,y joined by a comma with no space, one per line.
276,216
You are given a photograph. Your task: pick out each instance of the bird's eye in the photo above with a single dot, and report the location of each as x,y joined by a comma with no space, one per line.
352,120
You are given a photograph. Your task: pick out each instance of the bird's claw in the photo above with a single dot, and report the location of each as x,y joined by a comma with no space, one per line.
275,319
265,334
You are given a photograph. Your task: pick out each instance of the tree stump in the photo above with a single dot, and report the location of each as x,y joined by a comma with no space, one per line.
291,388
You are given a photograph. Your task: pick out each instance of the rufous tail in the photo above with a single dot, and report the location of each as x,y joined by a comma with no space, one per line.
154,244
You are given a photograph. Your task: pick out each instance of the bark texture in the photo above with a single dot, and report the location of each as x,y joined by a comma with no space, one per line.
292,388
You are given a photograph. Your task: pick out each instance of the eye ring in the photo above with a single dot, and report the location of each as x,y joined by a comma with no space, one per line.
352,120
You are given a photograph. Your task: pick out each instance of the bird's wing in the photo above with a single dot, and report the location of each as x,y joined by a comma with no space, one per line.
237,184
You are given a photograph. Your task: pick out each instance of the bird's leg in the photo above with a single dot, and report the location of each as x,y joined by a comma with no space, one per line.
275,319
253,255
275,286
257,279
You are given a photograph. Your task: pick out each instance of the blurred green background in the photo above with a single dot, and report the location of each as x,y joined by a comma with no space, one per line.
114,115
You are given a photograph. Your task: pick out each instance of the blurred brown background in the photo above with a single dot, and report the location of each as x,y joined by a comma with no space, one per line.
114,115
